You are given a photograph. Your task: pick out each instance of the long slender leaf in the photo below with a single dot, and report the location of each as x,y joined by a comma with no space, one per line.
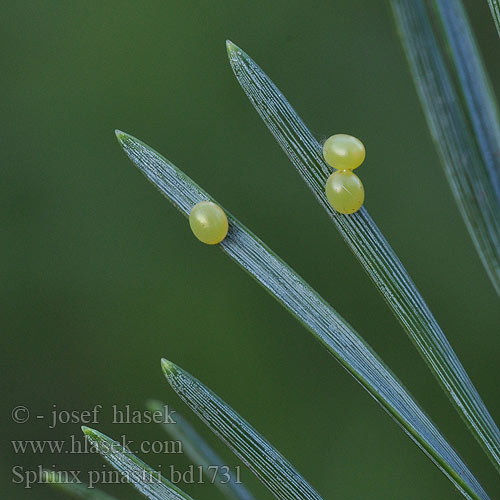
275,472
313,312
201,453
75,490
470,173
149,482
480,104
495,12
371,248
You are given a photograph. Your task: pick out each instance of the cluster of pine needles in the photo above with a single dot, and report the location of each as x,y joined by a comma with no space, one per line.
461,112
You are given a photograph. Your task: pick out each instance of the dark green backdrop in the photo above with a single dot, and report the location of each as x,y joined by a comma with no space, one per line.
100,276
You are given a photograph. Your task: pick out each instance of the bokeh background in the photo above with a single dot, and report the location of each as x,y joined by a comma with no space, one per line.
100,276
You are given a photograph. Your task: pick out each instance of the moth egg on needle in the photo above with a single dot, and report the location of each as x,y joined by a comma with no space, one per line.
345,191
344,152
208,222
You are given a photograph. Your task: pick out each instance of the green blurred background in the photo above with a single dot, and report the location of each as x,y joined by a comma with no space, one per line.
100,276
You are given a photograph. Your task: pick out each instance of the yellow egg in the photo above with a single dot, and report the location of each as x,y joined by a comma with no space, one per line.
208,222
344,152
345,191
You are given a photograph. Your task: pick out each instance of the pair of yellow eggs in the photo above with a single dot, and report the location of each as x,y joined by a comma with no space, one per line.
343,189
